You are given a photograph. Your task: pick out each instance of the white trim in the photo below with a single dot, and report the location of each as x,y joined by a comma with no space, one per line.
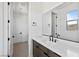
5,29
30,32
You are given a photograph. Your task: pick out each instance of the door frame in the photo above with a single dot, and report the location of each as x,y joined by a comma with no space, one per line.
10,18
5,28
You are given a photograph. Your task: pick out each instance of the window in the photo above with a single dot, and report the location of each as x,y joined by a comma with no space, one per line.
72,20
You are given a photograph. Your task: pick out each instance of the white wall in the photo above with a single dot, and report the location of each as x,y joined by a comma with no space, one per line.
47,6
46,23
20,25
20,22
35,14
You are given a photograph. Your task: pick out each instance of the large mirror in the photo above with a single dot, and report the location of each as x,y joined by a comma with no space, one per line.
72,20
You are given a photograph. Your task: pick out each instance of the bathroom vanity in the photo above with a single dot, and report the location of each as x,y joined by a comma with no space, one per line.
41,51
42,46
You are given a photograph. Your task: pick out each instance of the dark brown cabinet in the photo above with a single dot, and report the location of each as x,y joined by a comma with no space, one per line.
41,51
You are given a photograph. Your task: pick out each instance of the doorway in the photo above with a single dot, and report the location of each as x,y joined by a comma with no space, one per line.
18,29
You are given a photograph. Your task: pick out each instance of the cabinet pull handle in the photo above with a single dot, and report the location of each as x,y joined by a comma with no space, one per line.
46,54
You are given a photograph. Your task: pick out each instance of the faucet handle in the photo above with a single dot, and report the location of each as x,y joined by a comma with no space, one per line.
57,35
50,38
55,40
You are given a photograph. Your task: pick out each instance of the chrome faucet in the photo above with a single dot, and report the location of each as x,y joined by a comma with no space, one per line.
51,36
57,35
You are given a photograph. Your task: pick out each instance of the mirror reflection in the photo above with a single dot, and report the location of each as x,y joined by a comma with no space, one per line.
72,20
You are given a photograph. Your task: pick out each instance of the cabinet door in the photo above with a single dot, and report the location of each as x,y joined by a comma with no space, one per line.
39,50
35,51
42,53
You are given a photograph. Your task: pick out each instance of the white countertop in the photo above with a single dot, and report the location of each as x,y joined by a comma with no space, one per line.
62,47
